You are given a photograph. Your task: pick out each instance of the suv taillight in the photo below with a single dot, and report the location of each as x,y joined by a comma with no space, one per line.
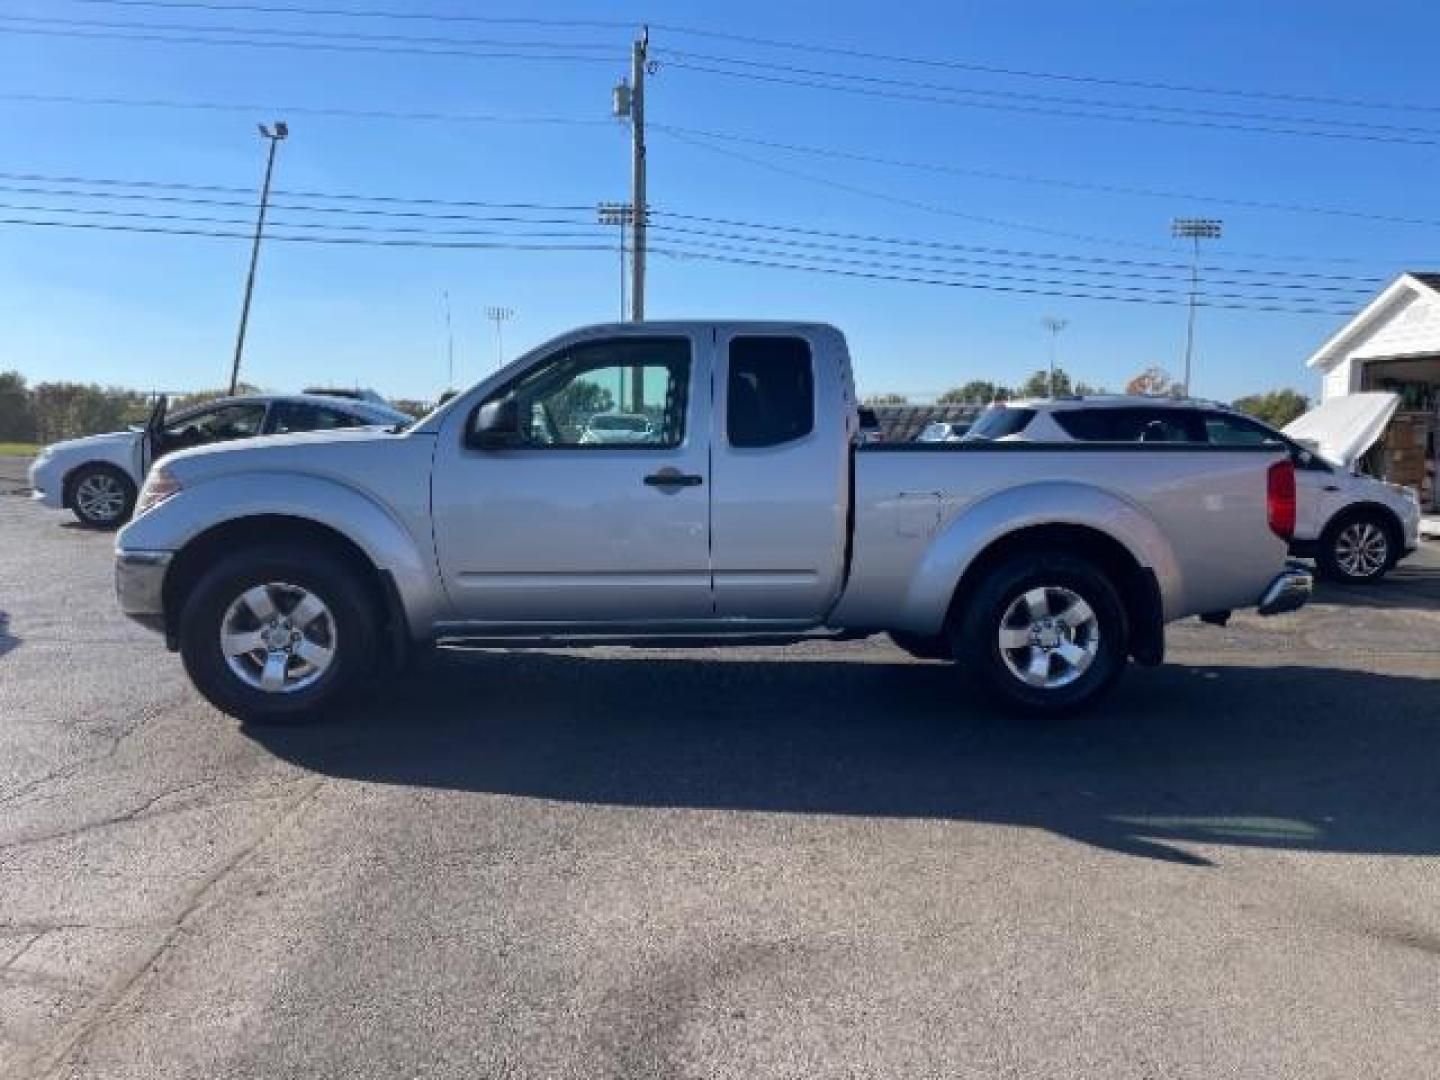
1280,498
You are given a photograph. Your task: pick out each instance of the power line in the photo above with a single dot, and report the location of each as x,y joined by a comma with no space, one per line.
342,35
940,259
180,39
754,242
1028,73
146,215
1028,178
301,110
159,191
166,230
676,252
1181,295
985,285
358,13
1023,95
1044,110
811,47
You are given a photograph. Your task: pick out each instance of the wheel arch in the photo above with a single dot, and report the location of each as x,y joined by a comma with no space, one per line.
1120,535
1137,585
72,477
1366,508
205,549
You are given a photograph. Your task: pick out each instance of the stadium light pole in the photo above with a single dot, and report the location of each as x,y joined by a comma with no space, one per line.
499,315
1054,325
274,136
1194,229
621,214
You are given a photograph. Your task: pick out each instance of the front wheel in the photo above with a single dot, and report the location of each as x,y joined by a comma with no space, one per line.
278,633
101,496
1357,549
1044,633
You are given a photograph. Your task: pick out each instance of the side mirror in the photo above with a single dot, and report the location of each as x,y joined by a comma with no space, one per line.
497,425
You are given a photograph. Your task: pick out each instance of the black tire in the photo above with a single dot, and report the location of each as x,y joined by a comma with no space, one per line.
1338,559
922,647
118,489
991,606
349,607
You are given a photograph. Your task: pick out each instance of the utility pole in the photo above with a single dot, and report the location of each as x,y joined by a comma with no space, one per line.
281,131
1054,325
499,315
630,102
621,214
1195,229
449,345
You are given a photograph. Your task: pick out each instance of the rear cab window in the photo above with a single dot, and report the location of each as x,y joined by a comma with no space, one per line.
770,393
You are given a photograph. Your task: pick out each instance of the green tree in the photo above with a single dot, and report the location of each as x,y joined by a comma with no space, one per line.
1086,390
579,401
976,390
17,409
1274,407
1038,384
179,402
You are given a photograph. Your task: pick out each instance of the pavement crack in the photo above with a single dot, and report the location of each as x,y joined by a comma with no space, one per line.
49,1060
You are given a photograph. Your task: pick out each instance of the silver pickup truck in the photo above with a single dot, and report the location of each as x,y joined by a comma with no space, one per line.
744,509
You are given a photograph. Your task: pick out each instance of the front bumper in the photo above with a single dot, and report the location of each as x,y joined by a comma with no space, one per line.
139,584
1289,591
46,484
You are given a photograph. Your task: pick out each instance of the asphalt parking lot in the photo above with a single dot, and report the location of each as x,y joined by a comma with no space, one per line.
822,861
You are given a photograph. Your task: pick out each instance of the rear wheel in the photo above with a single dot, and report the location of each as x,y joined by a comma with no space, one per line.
1044,633
101,496
278,633
1358,548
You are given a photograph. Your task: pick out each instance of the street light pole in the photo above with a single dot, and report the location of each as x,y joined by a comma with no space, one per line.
280,132
1054,325
1195,229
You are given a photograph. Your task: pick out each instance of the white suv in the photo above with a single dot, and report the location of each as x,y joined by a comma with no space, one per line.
1355,526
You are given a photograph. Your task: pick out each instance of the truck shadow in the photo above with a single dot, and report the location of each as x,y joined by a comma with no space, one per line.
1285,757
8,640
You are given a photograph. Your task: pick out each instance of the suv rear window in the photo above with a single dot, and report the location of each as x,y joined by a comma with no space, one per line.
1130,425
998,421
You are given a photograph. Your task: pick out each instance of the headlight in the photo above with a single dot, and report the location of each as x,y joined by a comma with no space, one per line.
44,454
159,486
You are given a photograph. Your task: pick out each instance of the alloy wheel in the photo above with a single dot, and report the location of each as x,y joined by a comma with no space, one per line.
278,638
1049,636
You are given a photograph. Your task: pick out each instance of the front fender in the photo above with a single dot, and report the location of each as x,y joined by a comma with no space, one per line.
359,517
964,535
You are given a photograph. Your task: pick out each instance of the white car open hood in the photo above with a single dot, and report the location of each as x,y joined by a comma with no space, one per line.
1343,428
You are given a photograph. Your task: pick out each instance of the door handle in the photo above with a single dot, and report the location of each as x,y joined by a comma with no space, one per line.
1332,487
669,477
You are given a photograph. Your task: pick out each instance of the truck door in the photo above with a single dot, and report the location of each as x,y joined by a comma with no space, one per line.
781,474
599,512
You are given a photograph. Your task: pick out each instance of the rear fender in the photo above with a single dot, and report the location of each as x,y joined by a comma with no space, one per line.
967,535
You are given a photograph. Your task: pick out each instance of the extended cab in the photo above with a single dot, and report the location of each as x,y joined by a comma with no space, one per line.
283,569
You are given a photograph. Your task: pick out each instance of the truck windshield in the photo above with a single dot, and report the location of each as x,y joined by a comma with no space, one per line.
998,421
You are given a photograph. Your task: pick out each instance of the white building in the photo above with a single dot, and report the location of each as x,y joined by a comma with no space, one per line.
1394,344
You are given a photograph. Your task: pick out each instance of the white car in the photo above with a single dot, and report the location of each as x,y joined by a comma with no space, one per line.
1354,526
944,431
97,477
618,428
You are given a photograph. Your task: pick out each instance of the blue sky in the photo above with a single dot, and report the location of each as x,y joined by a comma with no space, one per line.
160,311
